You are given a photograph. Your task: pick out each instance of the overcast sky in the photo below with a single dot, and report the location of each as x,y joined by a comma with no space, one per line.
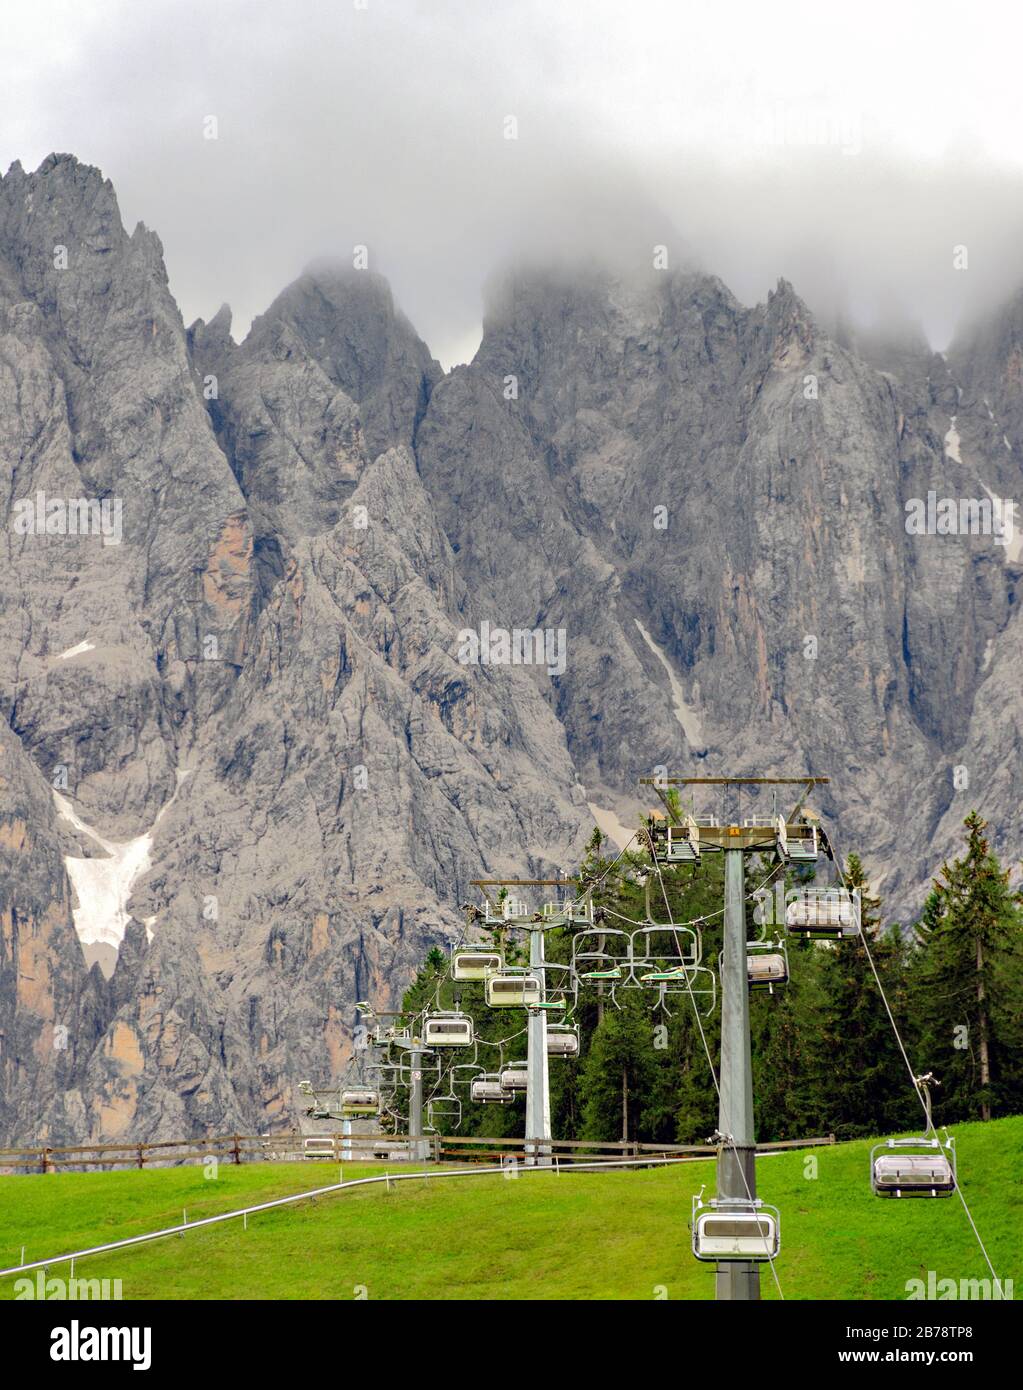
850,147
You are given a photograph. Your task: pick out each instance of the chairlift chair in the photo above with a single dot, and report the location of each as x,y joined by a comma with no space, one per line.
513,987
918,1167
361,1101
486,1089
474,962
823,912
443,1108
659,947
562,1040
726,1228
600,954
448,1030
692,981
515,1077
767,964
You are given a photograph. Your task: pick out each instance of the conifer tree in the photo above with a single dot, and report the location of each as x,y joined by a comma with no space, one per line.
967,982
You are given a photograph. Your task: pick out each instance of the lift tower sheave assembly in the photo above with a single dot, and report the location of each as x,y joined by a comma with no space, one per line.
736,1169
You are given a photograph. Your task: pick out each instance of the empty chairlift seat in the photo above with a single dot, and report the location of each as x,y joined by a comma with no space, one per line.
826,912
514,1078
360,1102
913,1168
487,1090
474,963
602,954
765,969
508,989
448,1030
562,1040
735,1231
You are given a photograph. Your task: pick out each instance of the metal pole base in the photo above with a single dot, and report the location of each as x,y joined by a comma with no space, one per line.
738,1280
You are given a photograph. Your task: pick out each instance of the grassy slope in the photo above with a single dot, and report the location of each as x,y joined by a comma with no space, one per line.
604,1235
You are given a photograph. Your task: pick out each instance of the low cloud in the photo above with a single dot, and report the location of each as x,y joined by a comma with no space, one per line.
850,153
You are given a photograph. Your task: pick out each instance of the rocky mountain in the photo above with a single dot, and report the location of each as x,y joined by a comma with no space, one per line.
246,774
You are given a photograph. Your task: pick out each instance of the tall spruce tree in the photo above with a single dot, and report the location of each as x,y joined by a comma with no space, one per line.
968,983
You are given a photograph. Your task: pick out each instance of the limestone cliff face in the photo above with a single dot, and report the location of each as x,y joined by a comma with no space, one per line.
245,778
245,716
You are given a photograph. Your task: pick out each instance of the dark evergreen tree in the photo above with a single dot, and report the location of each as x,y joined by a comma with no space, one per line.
967,983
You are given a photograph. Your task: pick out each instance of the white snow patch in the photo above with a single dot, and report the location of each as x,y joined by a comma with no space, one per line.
687,717
952,441
103,886
1005,441
85,646
610,825
1014,549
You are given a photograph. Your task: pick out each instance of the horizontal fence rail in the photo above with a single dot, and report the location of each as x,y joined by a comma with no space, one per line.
349,1148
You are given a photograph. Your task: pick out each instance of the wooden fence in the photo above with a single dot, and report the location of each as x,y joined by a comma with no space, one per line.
347,1148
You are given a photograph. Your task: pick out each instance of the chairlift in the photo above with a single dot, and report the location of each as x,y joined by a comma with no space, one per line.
443,1108
474,963
513,987
726,1228
514,1077
693,981
601,953
918,1167
663,941
362,1101
823,912
486,1089
664,974
448,1030
767,964
562,1040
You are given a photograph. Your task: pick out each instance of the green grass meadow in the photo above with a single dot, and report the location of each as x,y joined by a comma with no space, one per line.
617,1235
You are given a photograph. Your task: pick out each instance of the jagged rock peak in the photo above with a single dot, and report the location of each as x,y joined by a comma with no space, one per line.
346,321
